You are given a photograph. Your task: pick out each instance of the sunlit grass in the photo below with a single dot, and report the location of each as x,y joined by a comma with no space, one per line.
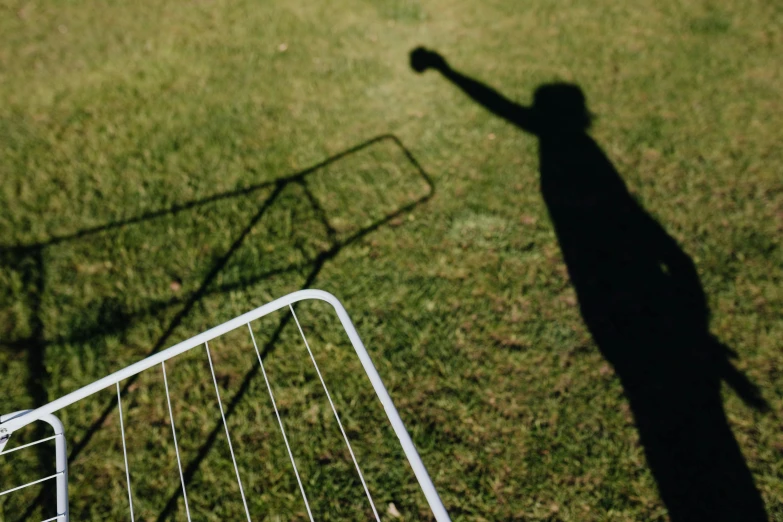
127,113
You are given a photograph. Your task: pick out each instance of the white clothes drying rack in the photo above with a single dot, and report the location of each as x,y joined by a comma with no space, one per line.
12,422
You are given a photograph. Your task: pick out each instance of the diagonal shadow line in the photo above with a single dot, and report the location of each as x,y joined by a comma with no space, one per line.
190,470
175,209
319,210
317,264
122,322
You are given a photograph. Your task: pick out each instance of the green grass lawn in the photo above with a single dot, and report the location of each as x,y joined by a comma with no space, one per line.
165,166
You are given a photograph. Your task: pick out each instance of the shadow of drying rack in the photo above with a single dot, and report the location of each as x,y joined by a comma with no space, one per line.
29,261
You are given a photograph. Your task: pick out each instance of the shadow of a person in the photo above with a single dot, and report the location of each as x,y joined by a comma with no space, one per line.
640,296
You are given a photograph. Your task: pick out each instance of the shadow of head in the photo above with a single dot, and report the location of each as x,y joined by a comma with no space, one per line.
561,106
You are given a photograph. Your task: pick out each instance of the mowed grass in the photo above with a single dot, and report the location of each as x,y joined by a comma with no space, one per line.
165,166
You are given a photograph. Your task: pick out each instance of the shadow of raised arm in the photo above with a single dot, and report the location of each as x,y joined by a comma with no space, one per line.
521,116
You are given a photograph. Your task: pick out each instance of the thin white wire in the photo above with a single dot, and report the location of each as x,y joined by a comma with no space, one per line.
125,453
33,483
228,436
174,432
58,517
336,416
28,445
280,422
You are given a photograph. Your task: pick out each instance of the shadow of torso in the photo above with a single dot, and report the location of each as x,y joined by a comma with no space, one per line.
641,299
632,279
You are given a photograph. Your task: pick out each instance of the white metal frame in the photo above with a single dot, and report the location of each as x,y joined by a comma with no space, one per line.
13,422
61,459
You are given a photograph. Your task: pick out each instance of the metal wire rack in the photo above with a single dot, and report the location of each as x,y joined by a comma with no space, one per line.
13,422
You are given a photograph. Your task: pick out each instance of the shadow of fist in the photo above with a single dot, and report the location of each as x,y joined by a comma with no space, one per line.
423,59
